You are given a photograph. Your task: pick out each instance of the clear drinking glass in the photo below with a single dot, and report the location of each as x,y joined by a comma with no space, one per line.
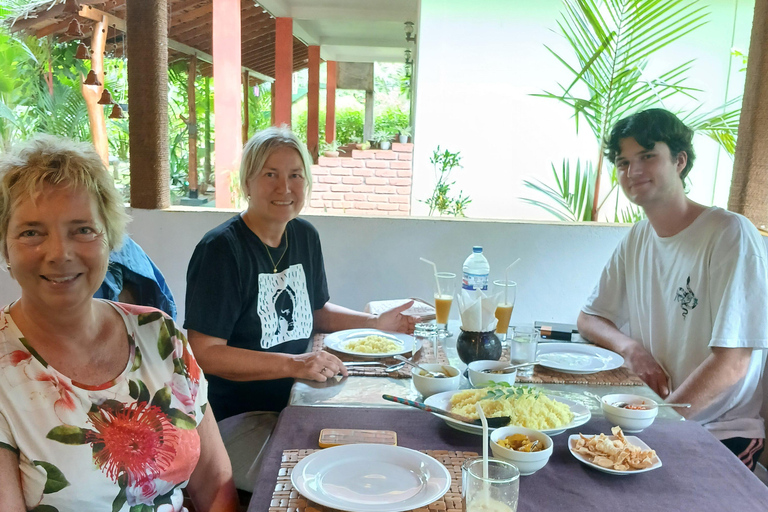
445,288
522,348
508,291
496,493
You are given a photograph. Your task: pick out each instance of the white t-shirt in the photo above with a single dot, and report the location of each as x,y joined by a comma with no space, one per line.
706,286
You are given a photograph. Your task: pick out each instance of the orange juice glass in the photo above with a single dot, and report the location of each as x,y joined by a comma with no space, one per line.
445,287
506,291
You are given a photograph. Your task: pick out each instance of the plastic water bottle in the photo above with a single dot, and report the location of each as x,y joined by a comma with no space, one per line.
476,271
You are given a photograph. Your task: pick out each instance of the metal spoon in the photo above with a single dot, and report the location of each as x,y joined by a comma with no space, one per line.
435,375
499,421
658,404
509,369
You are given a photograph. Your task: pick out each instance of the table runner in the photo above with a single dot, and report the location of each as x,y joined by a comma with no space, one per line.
425,355
698,472
287,499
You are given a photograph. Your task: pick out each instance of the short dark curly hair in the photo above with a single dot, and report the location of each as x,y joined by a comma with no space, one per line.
649,127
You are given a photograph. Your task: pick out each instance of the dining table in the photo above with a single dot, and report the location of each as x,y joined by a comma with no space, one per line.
697,472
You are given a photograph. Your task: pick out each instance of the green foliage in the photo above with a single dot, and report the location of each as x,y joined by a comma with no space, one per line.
611,43
441,201
349,123
390,120
574,194
331,146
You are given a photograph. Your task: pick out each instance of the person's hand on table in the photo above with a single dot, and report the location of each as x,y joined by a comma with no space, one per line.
645,366
319,366
394,320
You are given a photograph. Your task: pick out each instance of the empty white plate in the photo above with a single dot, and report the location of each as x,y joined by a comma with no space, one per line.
371,478
577,358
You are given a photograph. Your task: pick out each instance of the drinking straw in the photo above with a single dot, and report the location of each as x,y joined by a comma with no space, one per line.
437,281
485,440
506,280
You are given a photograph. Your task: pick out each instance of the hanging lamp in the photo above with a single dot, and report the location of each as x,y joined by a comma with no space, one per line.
117,112
92,79
82,52
106,98
74,29
71,7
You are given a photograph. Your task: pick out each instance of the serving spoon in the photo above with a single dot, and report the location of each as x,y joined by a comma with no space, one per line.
500,421
435,375
658,404
509,369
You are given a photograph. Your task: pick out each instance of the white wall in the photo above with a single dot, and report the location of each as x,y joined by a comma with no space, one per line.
378,258
478,64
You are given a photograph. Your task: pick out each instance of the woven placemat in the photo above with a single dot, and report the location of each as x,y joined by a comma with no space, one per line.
425,355
287,499
621,376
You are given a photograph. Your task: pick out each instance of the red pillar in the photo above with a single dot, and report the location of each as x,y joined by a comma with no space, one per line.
283,70
313,101
330,101
226,102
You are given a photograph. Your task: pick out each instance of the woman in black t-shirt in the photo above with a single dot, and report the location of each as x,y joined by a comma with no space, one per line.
256,291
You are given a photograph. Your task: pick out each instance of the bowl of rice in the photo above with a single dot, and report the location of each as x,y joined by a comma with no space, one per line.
514,443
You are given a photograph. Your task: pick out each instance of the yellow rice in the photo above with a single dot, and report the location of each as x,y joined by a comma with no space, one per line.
373,344
524,409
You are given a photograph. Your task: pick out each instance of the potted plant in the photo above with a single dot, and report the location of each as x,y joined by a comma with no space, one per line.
359,145
331,149
404,132
382,139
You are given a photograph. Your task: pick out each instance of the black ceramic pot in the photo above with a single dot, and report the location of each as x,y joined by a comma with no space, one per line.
475,346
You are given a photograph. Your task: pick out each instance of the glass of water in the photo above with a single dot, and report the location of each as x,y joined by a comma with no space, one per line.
496,492
522,348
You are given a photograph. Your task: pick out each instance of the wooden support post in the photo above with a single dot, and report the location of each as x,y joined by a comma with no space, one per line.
226,78
147,22
245,107
92,94
749,185
283,70
313,102
192,124
330,101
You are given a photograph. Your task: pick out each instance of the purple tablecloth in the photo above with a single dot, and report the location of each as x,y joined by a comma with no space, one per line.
698,472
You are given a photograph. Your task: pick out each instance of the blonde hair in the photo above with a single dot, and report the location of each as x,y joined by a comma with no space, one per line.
261,146
50,160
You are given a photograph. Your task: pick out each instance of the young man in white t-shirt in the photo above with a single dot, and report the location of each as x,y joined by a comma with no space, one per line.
684,298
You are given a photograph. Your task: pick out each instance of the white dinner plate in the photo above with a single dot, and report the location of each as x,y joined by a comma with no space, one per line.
581,414
630,439
371,478
577,358
338,340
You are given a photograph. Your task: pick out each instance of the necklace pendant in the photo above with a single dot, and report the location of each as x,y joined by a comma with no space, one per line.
274,270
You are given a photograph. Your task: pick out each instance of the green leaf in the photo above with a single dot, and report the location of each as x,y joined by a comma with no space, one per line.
138,390
164,343
55,480
162,399
67,434
120,499
181,420
147,318
136,360
44,508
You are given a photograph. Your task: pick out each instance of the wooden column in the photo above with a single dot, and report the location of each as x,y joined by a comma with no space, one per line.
749,186
192,124
330,101
283,70
147,24
245,107
226,100
92,94
313,101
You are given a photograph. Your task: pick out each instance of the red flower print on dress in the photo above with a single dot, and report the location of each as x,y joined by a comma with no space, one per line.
137,441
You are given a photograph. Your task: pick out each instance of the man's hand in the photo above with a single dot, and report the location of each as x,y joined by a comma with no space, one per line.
395,321
645,366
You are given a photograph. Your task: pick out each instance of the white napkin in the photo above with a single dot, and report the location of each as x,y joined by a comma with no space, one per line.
477,310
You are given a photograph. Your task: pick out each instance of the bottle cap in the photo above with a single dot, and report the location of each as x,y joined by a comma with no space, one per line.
477,248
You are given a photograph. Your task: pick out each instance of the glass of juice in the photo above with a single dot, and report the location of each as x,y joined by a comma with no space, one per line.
498,492
506,291
445,287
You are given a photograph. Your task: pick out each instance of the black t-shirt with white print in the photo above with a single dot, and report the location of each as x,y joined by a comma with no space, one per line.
233,293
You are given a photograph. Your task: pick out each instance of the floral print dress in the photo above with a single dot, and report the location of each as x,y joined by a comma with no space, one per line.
128,445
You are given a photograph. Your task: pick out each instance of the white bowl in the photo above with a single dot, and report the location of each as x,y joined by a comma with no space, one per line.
477,378
429,386
527,463
630,420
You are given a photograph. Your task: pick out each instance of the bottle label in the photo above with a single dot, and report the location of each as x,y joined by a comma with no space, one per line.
475,282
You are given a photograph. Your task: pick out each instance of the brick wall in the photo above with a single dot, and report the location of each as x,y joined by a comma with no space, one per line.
371,182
